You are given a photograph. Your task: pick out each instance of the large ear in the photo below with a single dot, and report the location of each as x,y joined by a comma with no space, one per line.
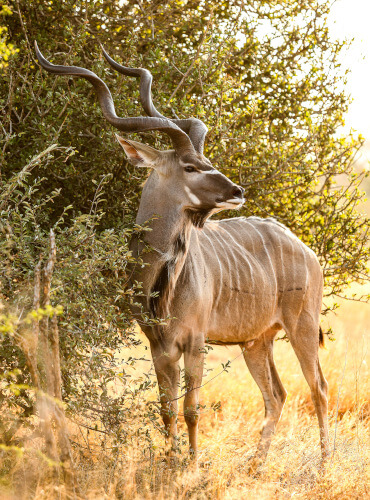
138,154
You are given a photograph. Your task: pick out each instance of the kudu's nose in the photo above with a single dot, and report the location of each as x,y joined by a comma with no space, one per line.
238,192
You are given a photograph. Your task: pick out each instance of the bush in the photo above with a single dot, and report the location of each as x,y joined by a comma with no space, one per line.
255,72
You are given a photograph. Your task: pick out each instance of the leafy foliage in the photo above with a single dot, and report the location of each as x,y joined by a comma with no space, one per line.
256,72
6,49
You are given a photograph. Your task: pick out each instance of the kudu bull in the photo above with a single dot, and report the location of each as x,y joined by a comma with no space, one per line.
233,281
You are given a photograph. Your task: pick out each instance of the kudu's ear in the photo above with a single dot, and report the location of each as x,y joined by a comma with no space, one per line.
138,154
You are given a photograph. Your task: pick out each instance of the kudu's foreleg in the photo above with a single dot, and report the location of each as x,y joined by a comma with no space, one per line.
193,361
168,375
259,359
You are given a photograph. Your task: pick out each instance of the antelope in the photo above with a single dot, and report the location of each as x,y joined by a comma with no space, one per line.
232,281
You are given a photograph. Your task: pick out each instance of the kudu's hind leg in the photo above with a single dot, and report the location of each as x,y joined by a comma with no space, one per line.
304,338
168,375
193,362
259,359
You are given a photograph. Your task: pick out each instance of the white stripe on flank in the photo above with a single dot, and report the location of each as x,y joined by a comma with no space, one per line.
267,253
234,272
292,271
244,253
220,265
305,266
229,267
263,283
282,285
239,285
250,285
227,249
253,279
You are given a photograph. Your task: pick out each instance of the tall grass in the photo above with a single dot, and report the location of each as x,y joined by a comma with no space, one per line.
229,435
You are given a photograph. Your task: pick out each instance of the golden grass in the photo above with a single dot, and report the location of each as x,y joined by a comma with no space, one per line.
293,467
228,437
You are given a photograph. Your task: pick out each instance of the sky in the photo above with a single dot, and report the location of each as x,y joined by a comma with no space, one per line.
351,19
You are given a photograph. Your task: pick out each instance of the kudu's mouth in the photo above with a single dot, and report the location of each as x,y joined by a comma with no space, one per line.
235,201
232,203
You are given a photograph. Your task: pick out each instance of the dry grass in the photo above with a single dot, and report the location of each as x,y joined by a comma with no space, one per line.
293,467
228,437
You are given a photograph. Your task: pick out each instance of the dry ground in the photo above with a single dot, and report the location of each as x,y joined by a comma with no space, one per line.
228,437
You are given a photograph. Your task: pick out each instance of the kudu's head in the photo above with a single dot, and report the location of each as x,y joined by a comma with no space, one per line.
187,175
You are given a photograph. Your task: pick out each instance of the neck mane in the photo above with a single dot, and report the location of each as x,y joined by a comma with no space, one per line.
171,227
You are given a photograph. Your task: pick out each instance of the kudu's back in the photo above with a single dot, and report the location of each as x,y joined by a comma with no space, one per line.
244,276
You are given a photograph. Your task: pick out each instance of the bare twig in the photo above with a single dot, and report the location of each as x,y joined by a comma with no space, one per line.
41,350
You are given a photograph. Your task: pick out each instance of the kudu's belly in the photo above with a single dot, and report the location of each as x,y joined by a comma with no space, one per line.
245,311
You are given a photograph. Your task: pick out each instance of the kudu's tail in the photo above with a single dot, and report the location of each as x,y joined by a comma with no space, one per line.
321,337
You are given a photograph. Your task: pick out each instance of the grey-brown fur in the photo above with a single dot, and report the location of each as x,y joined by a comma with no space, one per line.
236,281
240,281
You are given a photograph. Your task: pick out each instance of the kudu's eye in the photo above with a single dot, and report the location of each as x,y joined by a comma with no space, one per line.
189,169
